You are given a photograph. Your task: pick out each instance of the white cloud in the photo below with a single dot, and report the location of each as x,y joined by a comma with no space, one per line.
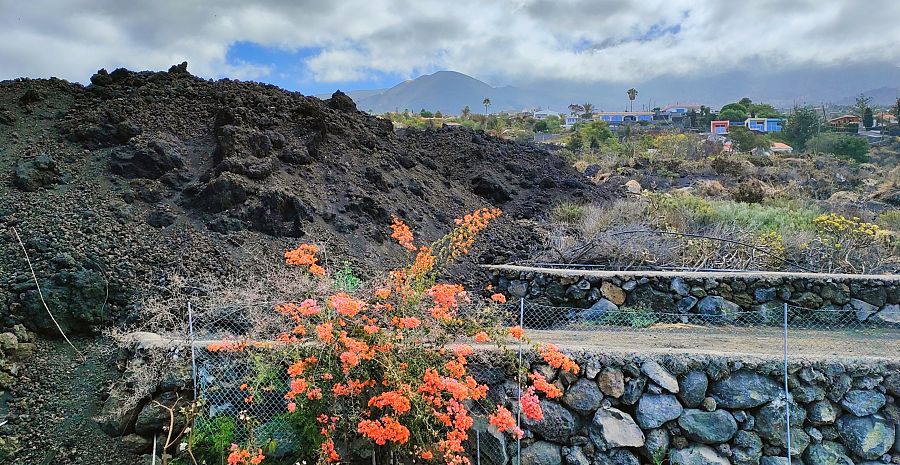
508,41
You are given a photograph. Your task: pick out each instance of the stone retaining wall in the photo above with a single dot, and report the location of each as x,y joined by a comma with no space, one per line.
631,409
691,410
866,298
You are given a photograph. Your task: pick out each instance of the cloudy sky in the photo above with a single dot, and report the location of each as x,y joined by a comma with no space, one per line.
317,46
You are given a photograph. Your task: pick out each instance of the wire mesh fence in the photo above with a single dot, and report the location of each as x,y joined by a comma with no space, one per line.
223,377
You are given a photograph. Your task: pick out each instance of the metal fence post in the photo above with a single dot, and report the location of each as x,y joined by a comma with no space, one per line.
787,404
193,355
477,447
519,410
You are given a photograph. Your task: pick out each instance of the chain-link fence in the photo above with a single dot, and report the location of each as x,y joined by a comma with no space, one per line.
723,327
235,386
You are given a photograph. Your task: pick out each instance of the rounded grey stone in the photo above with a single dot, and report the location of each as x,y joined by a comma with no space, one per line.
614,428
697,455
653,410
584,396
692,388
868,437
707,427
861,403
744,389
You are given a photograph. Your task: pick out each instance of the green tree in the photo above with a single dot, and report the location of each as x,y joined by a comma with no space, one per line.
845,146
575,109
746,140
575,143
732,114
802,124
438,114
553,124
540,126
594,130
425,113
897,109
692,119
745,102
763,110
862,102
486,102
868,120
465,112
705,116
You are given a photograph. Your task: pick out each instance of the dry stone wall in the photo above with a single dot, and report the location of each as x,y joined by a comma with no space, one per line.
692,410
865,299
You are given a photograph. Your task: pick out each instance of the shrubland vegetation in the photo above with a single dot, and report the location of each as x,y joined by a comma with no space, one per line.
810,210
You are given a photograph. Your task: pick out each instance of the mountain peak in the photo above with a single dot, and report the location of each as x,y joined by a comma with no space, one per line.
446,91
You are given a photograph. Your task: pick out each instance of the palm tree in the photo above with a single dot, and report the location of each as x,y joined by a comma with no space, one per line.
466,112
588,109
632,94
486,102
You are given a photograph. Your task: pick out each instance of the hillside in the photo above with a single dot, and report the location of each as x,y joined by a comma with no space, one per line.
445,91
886,96
119,185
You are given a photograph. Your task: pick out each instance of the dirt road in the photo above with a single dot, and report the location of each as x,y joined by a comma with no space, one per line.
757,341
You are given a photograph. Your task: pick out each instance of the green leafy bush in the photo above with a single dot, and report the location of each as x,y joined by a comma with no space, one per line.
569,212
845,146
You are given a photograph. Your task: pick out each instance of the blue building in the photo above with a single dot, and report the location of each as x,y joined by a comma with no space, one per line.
764,124
615,118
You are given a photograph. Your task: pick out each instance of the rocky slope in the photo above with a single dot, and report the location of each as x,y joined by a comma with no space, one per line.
115,185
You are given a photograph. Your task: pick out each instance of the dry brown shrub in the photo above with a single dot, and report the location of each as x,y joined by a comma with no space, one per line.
712,188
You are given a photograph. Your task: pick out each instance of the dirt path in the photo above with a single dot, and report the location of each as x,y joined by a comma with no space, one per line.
761,342
693,274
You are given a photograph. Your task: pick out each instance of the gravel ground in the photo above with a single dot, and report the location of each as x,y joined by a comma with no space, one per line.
756,341
56,396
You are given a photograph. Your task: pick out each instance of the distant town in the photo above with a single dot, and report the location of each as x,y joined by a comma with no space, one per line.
741,125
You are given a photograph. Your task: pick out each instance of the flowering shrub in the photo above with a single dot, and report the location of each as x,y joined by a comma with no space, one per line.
846,244
391,366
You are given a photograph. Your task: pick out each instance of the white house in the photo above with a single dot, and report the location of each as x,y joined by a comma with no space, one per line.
544,114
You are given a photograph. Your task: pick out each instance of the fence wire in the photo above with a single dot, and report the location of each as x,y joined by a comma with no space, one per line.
774,329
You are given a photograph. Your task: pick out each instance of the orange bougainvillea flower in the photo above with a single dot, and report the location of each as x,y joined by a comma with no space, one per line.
482,337
305,255
346,305
329,452
530,405
426,455
382,293
503,420
394,399
516,332
402,234
557,359
541,384
239,456
499,298
423,263
445,300
383,430
325,332
468,227
410,322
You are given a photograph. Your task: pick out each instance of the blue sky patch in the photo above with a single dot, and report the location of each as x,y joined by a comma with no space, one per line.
289,69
